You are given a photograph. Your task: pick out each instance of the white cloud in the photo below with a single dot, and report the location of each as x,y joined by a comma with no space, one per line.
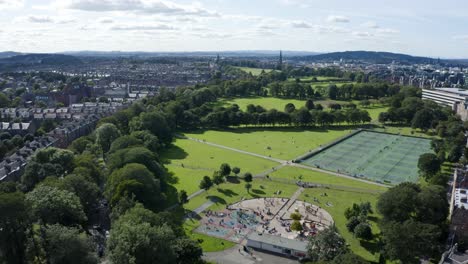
140,6
362,34
141,27
370,24
7,4
461,37
300,24
106,20
387,31
44,19
338,19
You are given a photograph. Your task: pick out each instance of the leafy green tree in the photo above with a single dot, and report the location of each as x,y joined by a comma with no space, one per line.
363,231
296,226
348,258
398,203
68,245
410,240
183,197
79,145
296,216
248,177
332,91
105,135
248,186
236,170
225,169
429,165
86,190
289,108
309,104
138,237
53,205
206,183
4,101
135,180
422,119
353,221
139,155
326,245
156,123
218,178
14,223
187,251
149,140
124,142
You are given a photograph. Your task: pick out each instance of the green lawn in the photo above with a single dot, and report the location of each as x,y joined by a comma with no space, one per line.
284,142
188,161
279,103
340,201
208,243
254,71
228,193
295,173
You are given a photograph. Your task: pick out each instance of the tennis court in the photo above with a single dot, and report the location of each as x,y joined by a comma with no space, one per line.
375,156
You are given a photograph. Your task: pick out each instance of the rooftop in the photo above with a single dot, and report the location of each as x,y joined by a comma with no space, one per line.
279,241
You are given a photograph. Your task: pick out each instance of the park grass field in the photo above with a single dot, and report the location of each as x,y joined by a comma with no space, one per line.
295,173
208,243
188,161
284,143
376,156
254,71
341,200
279,103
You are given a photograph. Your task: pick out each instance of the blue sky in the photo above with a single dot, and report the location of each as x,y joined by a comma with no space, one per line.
427,28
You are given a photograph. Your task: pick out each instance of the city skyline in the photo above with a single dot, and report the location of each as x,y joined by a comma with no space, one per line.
417,27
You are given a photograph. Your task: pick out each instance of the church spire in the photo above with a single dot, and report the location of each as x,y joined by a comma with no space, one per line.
280,63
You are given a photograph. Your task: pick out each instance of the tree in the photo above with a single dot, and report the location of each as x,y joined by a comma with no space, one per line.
155,122
135,180
135,241
140,155
248,186
183,197
86,190
410,240
124,142
296,226
428,165
422,119
332,91
326,245
67,245
225,169
289,108
105,135
4,101
296,216
236,170
363,231
206,183
353,221
218,178
187,251
14,223
398,203
52,206
348,258
248,177
309,104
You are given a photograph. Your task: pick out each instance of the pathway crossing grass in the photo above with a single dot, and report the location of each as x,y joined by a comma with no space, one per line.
282,142
188,161
376,156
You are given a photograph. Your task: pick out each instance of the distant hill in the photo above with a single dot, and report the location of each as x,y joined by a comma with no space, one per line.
13,62
367,56
7,54
235,53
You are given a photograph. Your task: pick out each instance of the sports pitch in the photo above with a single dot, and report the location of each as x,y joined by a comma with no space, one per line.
376,156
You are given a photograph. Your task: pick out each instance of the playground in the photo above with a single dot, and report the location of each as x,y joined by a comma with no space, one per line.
375,156
264,215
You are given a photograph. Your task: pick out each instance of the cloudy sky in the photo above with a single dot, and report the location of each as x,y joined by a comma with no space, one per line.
418,27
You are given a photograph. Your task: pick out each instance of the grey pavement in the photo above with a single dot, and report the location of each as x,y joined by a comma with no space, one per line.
236,255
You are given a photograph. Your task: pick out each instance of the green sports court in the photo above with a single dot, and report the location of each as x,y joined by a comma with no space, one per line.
375,156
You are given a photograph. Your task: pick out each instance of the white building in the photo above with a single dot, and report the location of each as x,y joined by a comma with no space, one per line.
277,244
455,98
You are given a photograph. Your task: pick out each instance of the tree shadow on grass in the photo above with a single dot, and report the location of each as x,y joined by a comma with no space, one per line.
233,179
170,177
370,246
227,192
257,191
173,153
216,199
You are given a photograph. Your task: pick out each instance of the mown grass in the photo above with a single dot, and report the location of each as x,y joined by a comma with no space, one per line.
280,142
188,161
254,71
340,200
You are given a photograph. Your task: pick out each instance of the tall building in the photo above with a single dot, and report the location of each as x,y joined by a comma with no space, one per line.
280,63
455,98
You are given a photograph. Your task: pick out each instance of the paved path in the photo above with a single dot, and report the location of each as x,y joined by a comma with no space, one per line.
236,255
291,201
236,150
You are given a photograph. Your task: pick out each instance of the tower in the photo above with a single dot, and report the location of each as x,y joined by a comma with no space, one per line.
280,63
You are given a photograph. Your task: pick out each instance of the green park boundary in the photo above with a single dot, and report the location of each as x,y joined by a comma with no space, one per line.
376,156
